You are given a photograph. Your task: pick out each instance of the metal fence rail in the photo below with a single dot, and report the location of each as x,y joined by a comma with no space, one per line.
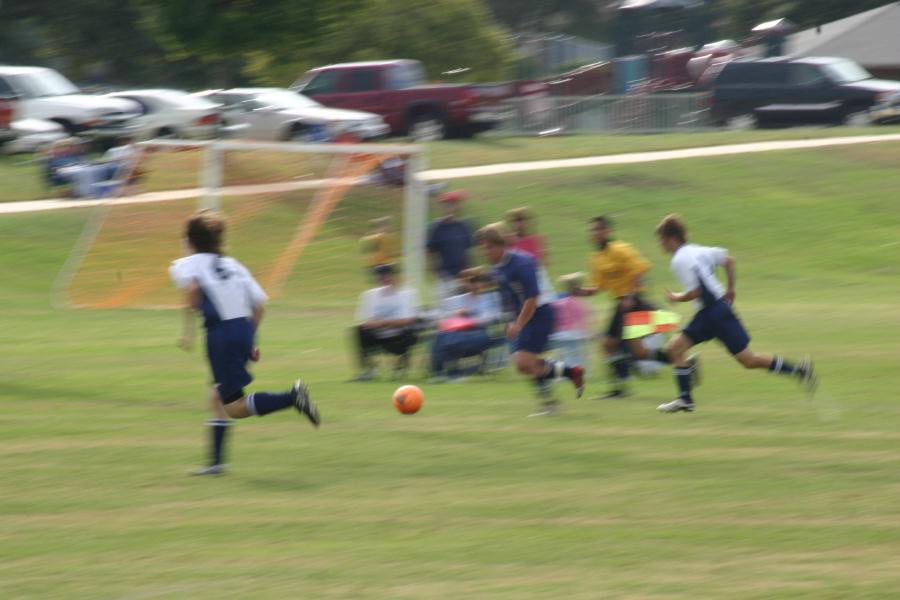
638,113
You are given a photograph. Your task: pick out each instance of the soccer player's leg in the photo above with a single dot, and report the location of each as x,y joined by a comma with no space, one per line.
365,343
734,336
700,329
617,357
534,339
802,370
218,428
677,350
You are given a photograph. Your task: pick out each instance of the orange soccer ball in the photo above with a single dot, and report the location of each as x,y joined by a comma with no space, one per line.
408,399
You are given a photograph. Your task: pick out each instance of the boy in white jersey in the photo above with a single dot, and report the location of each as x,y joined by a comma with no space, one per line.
695,268
231,302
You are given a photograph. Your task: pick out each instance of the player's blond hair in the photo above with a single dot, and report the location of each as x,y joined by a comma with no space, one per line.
495,234
672,226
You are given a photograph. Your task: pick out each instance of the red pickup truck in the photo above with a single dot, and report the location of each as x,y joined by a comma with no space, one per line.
398,91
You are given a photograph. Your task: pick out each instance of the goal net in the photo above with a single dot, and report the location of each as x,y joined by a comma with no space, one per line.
306,219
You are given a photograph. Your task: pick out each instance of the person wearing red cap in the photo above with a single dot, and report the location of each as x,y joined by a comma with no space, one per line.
449,241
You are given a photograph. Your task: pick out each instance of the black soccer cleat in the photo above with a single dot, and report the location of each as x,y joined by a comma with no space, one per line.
303,404
806,371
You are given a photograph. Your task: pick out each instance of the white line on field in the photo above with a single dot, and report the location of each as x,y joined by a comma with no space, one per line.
462,172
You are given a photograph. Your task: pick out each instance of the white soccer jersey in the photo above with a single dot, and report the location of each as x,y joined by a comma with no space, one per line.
387,303
227,285
695,267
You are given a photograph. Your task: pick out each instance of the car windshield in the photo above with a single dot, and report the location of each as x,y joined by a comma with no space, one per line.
845,71
43,83
286,100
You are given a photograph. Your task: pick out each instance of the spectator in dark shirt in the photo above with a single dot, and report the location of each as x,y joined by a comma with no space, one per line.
449,241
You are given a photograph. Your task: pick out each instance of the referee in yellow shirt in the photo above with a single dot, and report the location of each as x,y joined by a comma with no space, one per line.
619,268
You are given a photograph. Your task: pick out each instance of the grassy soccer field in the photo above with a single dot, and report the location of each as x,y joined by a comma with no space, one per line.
758,494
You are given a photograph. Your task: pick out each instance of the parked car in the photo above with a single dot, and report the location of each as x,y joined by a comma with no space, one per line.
172,113
45,94
887,111
7,114
398,91
279,114
33,135
745,85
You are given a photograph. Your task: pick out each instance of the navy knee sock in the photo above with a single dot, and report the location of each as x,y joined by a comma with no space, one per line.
218,428
683,378
779,365
263,403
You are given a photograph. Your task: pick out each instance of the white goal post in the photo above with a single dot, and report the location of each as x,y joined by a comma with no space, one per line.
226,174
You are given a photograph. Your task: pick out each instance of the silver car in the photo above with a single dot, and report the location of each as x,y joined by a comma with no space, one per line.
279,114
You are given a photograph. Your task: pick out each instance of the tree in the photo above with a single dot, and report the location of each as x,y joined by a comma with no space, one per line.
446,35
584,18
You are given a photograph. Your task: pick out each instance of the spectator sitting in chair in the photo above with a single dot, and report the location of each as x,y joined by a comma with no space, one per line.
62,155
91,178
463,328
386,319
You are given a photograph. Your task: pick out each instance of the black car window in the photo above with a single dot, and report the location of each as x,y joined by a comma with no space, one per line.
323,83
752,73
6,90
145,106
806,75
363,80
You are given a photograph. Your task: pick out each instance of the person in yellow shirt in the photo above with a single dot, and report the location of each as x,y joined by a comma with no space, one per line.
380,247
619,268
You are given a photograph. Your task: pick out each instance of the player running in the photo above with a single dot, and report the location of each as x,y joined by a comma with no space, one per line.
695,266
616,266
527,294
229,299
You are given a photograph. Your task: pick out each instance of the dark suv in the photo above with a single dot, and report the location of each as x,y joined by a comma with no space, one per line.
829,89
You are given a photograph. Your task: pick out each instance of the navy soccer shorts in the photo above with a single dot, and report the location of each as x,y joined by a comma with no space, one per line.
228,347
535,336
719,322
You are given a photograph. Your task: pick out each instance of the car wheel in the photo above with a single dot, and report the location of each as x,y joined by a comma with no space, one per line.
427,128
166,133
857,118
298,133
742,122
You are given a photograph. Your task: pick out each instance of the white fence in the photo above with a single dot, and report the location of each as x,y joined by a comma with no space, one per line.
638,113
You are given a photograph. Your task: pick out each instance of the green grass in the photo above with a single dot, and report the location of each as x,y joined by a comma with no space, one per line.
21,178
489,149
759,494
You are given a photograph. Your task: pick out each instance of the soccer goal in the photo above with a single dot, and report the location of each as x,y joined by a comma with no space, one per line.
306,219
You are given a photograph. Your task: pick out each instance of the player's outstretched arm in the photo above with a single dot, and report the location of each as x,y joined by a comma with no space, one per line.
683,296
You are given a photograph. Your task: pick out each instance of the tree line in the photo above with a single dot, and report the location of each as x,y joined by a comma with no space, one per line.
212,43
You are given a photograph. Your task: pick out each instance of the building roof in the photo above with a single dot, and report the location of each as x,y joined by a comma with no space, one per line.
870,38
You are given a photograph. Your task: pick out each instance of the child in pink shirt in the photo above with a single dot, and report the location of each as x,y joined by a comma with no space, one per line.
572,333
520,221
